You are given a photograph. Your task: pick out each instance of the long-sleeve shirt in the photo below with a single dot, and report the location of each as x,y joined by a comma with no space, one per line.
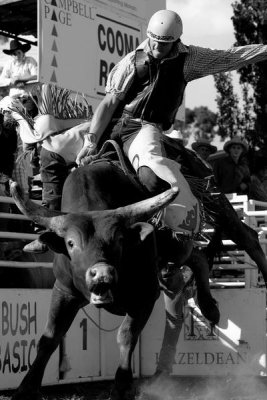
229,175
199,62
24,69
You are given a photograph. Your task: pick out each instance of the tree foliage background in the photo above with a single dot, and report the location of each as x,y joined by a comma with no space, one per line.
250,118
201,122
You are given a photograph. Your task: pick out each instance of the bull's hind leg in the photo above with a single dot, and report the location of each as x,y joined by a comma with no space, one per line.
172,286
173,289
63,310
182,252
127,337
199,264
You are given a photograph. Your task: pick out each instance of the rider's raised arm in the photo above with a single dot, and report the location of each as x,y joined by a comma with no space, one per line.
201,61
102,117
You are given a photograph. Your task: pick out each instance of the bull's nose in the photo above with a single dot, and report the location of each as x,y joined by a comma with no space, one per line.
102,272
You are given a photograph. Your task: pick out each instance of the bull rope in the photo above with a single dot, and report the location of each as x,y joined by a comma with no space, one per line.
120,155
97,325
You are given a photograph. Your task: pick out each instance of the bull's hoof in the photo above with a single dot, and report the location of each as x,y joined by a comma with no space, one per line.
151,391
116,394
209,309
161,374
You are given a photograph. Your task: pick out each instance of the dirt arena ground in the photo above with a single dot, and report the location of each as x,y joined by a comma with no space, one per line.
234,388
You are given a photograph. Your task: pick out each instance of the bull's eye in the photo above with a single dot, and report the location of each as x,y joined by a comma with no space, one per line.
70,243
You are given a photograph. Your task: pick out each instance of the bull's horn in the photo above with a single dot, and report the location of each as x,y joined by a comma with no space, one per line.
50,219
143,210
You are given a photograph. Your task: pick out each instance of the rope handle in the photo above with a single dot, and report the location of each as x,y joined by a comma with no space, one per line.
118,151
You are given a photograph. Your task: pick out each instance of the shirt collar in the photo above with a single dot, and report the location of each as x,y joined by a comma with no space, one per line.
177,49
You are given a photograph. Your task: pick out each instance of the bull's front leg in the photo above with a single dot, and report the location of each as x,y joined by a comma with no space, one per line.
127,338
63,309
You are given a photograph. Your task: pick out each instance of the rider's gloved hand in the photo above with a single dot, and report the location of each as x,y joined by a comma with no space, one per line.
87,150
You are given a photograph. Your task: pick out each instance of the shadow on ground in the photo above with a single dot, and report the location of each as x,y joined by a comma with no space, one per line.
182,388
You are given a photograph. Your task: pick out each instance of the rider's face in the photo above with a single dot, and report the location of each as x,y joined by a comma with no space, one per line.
159,50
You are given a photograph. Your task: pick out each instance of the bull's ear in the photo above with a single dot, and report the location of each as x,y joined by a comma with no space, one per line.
54,242
139,231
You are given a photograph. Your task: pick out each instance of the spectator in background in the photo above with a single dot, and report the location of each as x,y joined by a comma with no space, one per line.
8,146
20,70
232,173
60,138
23,171
203,148
257,190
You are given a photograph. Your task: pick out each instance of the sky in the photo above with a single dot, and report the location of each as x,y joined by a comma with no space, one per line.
206,23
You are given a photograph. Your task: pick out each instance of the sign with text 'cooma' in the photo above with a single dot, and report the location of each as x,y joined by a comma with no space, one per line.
80,41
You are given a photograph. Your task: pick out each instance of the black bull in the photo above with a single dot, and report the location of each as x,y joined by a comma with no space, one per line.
108,259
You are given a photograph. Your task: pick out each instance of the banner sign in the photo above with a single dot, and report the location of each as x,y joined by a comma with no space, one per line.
91,346
23,315
136,7
80,42
237,345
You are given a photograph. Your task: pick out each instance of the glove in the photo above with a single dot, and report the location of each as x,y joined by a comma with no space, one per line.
85,152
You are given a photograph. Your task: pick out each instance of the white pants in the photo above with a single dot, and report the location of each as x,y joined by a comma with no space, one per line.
145,149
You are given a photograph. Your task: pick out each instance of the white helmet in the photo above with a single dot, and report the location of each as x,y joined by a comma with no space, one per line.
165,26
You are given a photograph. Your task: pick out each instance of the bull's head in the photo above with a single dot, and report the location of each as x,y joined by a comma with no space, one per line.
93,240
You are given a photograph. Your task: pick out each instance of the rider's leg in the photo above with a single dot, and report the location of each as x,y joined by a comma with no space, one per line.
54,172
145,149
151,181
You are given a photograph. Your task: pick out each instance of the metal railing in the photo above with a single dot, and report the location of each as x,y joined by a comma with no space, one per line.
19,236
231,260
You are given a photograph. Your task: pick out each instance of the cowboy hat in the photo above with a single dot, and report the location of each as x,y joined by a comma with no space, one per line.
236,140
204,142
16,45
